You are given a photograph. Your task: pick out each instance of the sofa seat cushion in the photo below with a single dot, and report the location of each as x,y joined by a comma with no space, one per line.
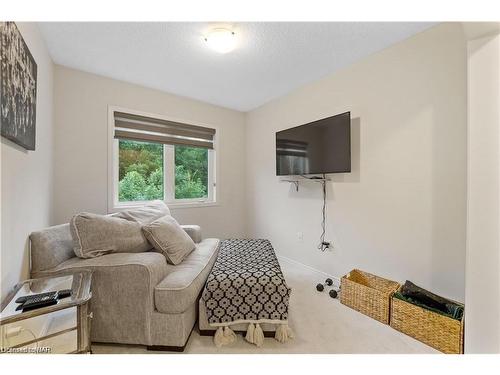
183,284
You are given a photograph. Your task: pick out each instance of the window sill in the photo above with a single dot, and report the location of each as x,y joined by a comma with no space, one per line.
176,205
171,205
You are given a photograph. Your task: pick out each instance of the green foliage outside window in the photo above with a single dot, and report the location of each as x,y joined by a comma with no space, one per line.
191,172
141,171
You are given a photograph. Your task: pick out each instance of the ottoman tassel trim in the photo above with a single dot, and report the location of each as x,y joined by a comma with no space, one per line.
224,336
258,336
283,333
250,333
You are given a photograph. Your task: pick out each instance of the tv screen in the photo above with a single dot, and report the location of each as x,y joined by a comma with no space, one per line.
322,146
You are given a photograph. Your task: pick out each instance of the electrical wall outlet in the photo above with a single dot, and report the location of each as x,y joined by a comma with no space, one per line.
300,236
326,245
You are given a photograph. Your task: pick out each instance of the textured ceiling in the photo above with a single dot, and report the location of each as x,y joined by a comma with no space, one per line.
271,59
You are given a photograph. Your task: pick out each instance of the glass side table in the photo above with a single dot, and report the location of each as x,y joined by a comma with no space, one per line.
60,328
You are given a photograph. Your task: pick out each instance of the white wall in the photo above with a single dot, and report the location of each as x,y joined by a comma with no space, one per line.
482,295
81,115
27,176
401,213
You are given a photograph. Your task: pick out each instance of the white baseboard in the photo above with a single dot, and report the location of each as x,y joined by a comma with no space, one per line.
335,279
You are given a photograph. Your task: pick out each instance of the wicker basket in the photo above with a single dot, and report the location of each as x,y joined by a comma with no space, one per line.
441,332
368,294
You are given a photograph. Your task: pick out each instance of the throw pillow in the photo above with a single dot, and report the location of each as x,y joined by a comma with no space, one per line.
95,235
168,238
145,214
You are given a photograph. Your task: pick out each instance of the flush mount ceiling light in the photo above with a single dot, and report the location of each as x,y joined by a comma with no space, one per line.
221,40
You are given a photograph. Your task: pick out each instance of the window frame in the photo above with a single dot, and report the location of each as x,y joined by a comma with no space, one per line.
114,205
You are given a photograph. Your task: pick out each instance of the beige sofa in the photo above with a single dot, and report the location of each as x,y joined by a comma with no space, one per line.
137,298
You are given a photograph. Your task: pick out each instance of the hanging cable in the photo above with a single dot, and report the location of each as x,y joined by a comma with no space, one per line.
323,245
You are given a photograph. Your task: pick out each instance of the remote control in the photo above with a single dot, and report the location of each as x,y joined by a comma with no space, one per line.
64,293
23,299
40,300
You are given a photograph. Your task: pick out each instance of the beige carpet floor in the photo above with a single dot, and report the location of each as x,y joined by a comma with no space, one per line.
321,325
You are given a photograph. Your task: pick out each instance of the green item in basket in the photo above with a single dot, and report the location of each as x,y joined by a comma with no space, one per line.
452,309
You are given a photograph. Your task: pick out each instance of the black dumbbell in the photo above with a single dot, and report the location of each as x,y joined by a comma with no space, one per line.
333,293
320,287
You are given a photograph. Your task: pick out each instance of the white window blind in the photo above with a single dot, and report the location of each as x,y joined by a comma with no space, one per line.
148,129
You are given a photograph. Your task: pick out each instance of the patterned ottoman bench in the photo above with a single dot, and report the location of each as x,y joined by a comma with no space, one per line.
245,292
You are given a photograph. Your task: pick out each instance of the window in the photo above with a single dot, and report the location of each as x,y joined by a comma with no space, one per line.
159,159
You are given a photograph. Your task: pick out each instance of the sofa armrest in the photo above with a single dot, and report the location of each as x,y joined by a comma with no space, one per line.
194,231
122,294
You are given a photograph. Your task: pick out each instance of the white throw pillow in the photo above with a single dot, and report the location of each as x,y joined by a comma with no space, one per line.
146,213
168,238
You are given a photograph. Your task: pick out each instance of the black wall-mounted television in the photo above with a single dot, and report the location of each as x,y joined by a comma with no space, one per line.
322,146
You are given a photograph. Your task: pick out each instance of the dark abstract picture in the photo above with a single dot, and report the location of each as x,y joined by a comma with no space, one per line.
17,87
